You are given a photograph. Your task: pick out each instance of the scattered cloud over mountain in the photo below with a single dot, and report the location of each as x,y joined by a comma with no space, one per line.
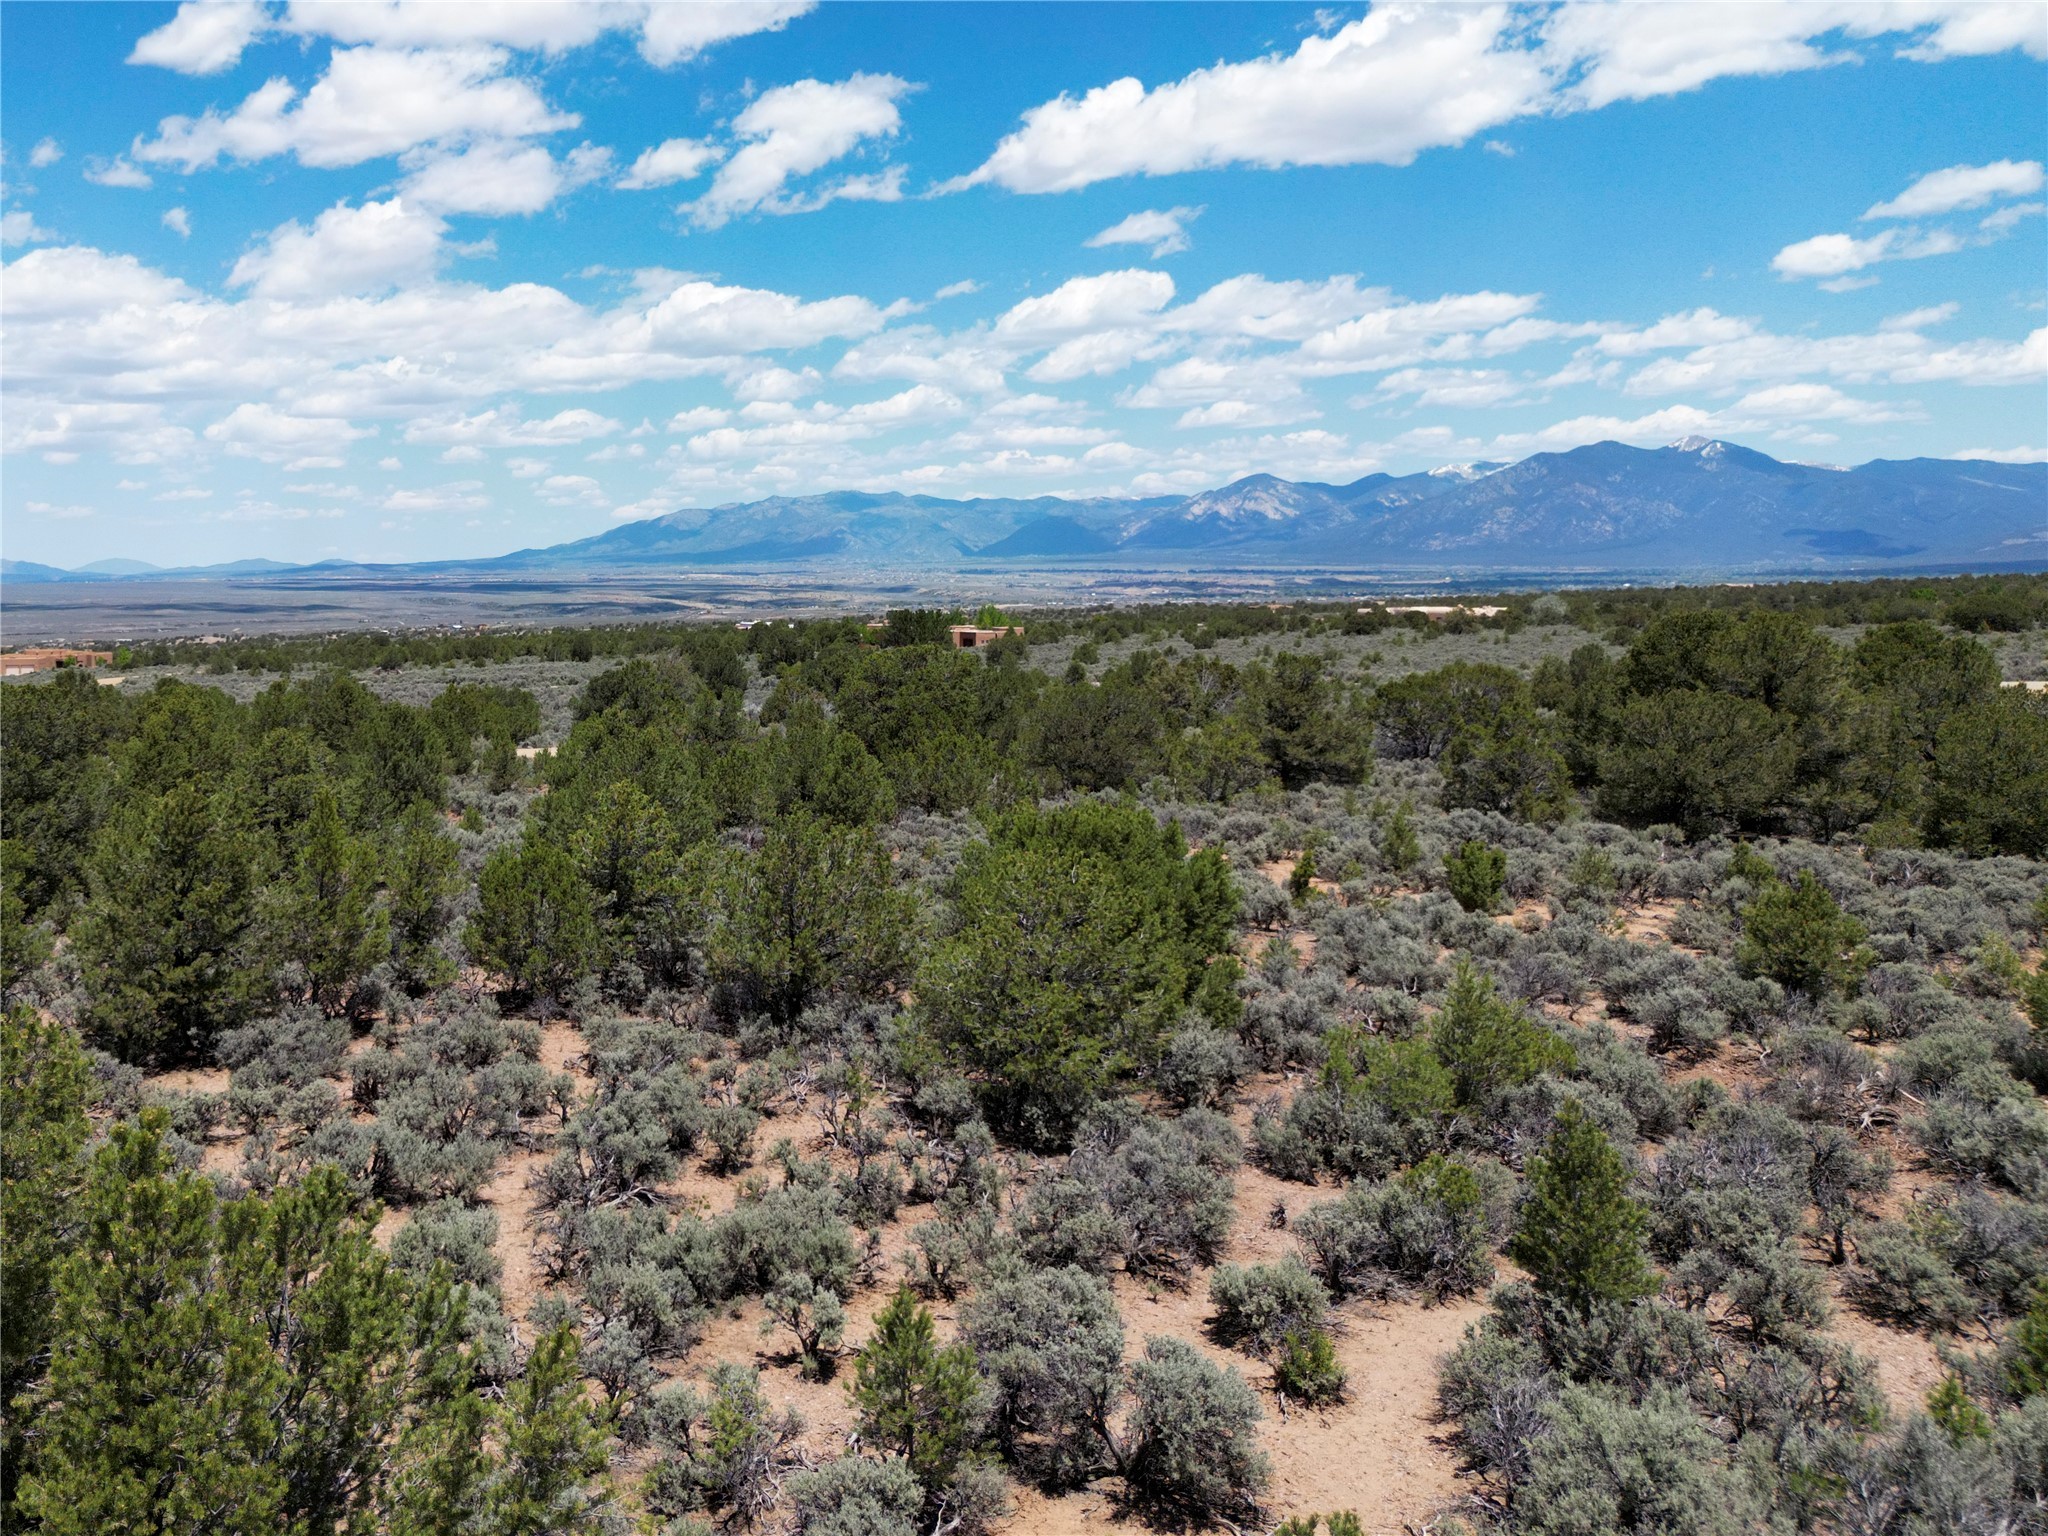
1958,187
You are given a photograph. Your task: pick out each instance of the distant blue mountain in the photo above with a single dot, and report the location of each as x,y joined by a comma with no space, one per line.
1696,504
1050,538
137,570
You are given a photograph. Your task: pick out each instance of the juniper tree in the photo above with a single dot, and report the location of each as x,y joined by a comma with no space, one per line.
323,917
255,1366
534,920
1991,778
915,1396
1399,846
2026,1363
1488,1044
166,936
1581,1234
1799,936
812,913
552,1447
24,944
1477,874
45,1083
424,872
1079,934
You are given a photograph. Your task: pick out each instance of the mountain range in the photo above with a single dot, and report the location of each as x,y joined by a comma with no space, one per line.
1696,504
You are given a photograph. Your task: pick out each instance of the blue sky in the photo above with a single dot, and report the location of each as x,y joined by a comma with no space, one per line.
397,281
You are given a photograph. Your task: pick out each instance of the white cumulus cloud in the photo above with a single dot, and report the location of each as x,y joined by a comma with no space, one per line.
795,130
455,496
349,250
1083,305
668,162
1165,230
2022,455
1379,90
258,431
1961,186
204,37
1831,255
572,490
19,227
671,33
371,102
1410,77
499,176
1920,319
506,427
117,172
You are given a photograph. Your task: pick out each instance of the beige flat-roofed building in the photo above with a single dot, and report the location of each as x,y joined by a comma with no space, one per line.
21,663
1442,610
967,636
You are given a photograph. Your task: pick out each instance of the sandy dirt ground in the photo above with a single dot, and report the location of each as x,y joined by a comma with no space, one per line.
1380,1452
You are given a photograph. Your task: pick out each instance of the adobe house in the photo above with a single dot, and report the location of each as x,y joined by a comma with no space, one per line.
967,637
21,663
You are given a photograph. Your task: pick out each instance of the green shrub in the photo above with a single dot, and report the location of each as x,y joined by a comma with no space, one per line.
1799,937
1306,1369
923,1401
534,923
1050,1345
1580,1234
1431,1230
166,935
1490,1045
1399,847
723,1455
1612,1468
813,912
1191,1451
2025,1358
1257,1306
1079,934
1336,1523
1477,875
857,1496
